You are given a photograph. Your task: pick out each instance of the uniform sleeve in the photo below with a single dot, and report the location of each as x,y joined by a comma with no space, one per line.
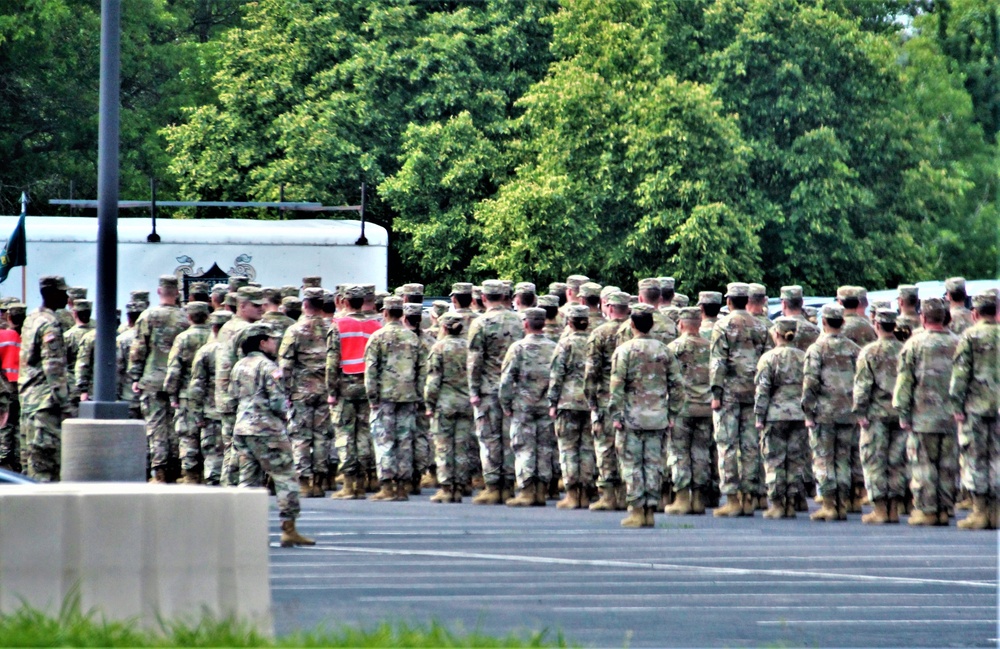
84,370
864,380
333,361
718,360
509,375
811,382
592,371
53,355
961,373
172,380
764,381
557,373
197,385
474,364
225,359
139,350
619,371
373,369
435,374
423,353
675,387
273,389
902,394
286,360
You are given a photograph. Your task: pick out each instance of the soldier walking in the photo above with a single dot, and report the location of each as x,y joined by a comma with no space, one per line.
202,400
175,384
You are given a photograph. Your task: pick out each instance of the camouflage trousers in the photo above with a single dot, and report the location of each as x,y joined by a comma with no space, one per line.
933,461
783,444
160,434
493,432
188,437
642,465
10,438
451,435
353,440
43,432
270,454
393,426
532,440
308,430
211,450
230,475
688,455
605,449
739,448
576,447
883,458
423,444
831,451
979,444
857,468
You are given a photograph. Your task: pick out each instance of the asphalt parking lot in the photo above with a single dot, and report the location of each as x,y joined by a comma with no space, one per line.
691,581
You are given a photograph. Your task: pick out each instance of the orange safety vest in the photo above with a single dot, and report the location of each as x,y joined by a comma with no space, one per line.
354,335
10,354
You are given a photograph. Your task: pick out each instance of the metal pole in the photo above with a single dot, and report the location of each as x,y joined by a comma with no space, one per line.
24,274
153,237
362,240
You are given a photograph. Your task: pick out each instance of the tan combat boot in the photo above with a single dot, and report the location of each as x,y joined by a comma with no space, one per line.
776,510
733,506
442,496
681,505
429,481
828,512
697,502
488,496
979,519
853,504
290,537
879,514
317,486
524,498
189,476
387,492
920,517
636,517
478,482
572,499
305,487
606,503
347,491
158,476
964,500
648,517
750,502
541,493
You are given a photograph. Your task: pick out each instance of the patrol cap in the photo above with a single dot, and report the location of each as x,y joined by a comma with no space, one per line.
328,296
398,291
230,300
548,300
953,284
576,281
680,300
17,308
833,311
618,298
577,311
369,290
933,304
413,289
985,298
236,282
667,283
848,292
633,300
289,291
83,305
534,313
291,302
785,325
450,319
312,280
260,329
690,313
256,284
908,290
461,288
493,287
709,297
381,295
139,296
810,312
392,302
862,293
590,289
885,316
643,309
440,307
737,289
79,292
219,317
355,291
250,294
271,292
198,287
648,283
219,291
192,308
608,290
557,287
412,308
477,291
314,293
757,290
7,301
881,304
793,292
134,307
524,287
508,286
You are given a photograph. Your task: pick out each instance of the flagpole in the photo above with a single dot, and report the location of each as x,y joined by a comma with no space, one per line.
24,286
24,279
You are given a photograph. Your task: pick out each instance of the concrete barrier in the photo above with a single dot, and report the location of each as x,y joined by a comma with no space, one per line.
137,552
111,450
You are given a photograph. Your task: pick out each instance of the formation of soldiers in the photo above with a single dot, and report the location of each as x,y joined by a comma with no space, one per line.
608,400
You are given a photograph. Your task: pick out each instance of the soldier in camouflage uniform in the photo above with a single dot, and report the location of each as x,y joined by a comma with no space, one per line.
259,436
202,400
291,306
273,316
446,400
827,395
922,400
908,321
175,384
791,307
680,300
572,290
688,456
65,314
42,382
424,471
779,418
73,338
961,317
461,303
757,307
524,296
395,362
856,326
664,328
974,392
738,341
667,294
589,295
882,442
597,376
302,360
569,408
156,330
249,309
710,303
554,322
524,384
123,343
646,394
490,335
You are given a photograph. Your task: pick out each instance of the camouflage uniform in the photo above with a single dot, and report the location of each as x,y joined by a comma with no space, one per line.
777,406
961,318
302,360
806,333
226,354
827,394
601,345
259,438
446,397
394,372
737,343
646,394
905,321
83,372
123,343
43,389
423,443
921,397
490,335
664,329
572,425
882,442
73,339
156,330
688,444
524,384
278,321
202,402
175,384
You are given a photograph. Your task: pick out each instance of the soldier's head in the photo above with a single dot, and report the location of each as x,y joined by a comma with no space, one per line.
493,292
908,299
551,305
167,289
461,295
690,320
955,289
784,330
524,296
667,288
219,317
833,317
578,316
757,299
260,337
414,315
710,303
16,313
197,312
849,298
559,290
53,289
573,284
791,300
618,305
82,310
590,295
272,298
737,296
885,323
291,306
642,318
508,292
132,312
312,300
413,293
984,306
250,303
392,308
368,304
649,291
933,312
218,296
354,296
534,320
329,303
451,324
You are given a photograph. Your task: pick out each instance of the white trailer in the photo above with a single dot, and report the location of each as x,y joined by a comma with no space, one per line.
274,253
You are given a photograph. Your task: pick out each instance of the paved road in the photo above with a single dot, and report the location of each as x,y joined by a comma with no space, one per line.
691,581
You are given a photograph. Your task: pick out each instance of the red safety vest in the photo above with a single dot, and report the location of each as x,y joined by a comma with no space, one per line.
10,354
354,335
